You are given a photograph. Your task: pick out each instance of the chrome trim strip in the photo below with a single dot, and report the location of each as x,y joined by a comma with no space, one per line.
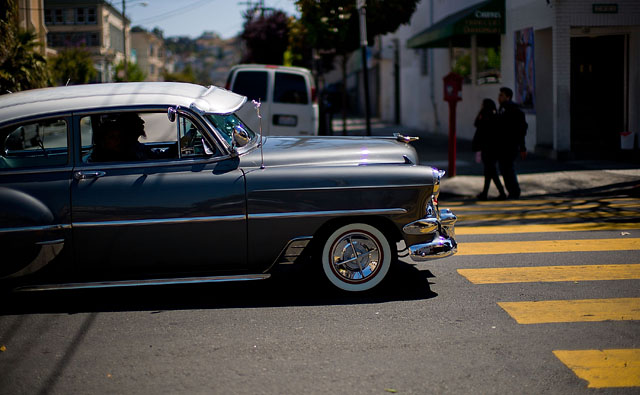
50,242
135,283
342,188
167,221
306,214
35,228
293,249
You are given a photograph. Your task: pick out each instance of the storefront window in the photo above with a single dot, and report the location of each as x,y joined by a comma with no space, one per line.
461,63
488,65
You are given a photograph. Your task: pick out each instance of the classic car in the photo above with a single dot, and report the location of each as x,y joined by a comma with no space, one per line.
163,183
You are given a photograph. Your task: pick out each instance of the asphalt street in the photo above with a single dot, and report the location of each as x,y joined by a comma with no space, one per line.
446,326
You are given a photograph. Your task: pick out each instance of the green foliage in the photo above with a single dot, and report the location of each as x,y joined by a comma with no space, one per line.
134,73
266,36
462,62
73,66
490,60
186,75
332,27
21,64
334,24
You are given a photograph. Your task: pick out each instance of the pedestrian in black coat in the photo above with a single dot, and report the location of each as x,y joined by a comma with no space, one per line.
513,129
486,141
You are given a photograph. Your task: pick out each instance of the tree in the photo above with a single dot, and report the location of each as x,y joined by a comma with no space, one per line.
332,26
21,65
266,36
134,72
72,66
186,75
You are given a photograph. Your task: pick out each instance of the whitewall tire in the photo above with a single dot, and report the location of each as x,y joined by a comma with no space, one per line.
357,257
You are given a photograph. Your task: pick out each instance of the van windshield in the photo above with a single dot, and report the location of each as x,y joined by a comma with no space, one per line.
226,124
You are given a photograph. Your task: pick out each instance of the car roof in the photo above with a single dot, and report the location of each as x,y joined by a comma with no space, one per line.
103,96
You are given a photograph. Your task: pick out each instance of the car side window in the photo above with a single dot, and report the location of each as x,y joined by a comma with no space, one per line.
192,140
41,143
252,84
128,137
290,89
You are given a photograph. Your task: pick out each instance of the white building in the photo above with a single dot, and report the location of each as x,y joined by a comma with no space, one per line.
574,66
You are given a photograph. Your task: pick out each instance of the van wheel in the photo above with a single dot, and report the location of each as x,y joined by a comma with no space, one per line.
357,257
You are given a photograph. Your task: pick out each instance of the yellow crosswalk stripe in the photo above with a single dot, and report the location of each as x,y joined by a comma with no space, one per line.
551,215
571,206
537,228
604,368
551,274
585,310
525,247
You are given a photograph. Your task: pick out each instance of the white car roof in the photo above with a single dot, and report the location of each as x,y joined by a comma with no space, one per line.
103,96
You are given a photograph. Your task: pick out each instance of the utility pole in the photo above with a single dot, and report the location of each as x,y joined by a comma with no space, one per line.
124,42
361,5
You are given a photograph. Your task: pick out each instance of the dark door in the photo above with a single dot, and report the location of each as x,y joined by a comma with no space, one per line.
597,94
35,176
164,217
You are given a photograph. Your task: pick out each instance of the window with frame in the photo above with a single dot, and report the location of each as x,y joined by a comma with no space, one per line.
290,88
42,143
424,61
252,84
488,63
140,136
461,63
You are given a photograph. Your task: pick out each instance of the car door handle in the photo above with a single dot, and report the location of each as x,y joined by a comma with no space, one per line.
86,175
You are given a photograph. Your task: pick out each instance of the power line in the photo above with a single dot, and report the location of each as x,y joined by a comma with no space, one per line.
171,13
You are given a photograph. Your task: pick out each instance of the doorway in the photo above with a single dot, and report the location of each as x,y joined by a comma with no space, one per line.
597,94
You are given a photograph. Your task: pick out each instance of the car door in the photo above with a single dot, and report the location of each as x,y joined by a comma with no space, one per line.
179,211
35,174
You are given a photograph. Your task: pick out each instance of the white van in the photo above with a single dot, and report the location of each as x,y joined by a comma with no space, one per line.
287,96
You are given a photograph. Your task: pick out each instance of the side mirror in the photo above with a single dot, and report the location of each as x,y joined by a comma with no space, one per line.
171,114
240,137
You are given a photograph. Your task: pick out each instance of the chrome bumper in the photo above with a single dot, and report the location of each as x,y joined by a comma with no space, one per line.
440,230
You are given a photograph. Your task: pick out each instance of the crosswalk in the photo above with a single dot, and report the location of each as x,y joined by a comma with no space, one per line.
544,220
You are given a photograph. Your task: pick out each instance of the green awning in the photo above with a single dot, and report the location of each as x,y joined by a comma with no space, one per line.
486,19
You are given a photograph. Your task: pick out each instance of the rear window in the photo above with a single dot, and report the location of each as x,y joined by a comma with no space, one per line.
252,84
290,88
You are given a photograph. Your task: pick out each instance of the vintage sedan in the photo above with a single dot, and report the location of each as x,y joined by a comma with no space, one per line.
160,183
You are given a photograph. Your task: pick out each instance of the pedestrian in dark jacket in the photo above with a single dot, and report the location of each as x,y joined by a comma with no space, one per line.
513,129
486,141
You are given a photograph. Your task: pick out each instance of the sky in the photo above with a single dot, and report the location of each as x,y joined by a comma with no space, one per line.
192,17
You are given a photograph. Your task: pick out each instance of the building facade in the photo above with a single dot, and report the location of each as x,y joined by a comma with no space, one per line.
574,66
31,18
149,53
94,24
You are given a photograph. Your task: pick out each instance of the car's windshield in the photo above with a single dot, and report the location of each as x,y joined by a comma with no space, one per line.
226,124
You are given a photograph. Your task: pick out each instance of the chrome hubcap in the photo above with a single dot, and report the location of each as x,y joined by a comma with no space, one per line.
356,256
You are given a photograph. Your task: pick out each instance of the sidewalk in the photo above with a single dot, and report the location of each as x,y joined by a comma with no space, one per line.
538,176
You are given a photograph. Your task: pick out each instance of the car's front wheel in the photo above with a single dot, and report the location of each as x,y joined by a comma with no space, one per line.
357,257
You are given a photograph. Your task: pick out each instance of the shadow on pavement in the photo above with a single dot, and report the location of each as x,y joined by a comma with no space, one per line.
288,286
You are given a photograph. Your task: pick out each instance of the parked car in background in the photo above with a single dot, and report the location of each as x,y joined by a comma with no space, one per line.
163,183
287,95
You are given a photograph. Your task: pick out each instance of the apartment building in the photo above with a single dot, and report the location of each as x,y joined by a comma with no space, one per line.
94,24
148,50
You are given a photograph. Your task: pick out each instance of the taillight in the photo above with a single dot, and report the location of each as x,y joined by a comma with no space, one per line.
314,96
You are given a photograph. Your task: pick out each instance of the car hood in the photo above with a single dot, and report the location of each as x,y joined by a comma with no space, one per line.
327,151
